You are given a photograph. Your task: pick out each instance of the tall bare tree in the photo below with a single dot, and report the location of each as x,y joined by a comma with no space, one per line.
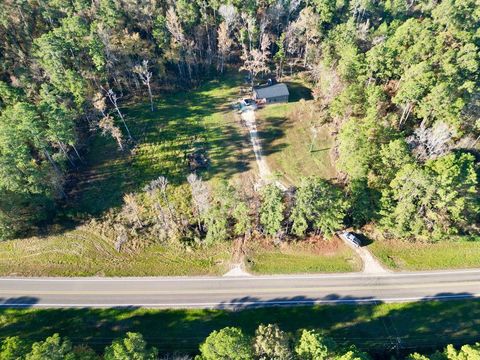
180,44
131,211
167,222
224,45
256,60
114,100
229,14
145,76
431,142
200,197
307,30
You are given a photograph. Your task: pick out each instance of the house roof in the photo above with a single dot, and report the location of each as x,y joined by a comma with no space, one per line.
271,91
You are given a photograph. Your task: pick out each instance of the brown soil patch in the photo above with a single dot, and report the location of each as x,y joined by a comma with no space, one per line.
313,244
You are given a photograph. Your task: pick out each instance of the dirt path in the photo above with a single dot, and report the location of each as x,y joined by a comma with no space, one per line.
370,264
264,171
237,270
237,266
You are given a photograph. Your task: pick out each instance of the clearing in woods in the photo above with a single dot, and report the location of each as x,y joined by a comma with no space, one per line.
183,122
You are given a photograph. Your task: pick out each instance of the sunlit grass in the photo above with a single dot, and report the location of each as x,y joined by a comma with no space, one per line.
406,255
288,143
82,253
301,257
182,122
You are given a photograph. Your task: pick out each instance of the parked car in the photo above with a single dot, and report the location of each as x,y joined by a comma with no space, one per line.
351,238
248,104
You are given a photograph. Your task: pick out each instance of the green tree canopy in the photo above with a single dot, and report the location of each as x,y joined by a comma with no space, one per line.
131,347
271,343
354,354
13,348
363,202
313,346
271,210
53,348
466,352
432,202
318,205
229,343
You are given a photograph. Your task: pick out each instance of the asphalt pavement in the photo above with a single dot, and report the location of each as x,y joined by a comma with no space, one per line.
238,293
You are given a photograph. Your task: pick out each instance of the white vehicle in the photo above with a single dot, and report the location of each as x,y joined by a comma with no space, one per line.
248,104
351,238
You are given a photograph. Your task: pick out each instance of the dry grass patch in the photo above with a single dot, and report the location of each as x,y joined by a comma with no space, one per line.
82,253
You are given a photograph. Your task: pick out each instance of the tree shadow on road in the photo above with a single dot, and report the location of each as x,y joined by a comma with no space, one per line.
18,302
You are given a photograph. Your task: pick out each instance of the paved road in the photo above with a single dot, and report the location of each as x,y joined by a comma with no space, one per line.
204,292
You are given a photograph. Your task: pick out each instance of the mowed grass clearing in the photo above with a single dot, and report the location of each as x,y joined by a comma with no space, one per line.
321,256
184,122
288,143
378,328
406,255
82,253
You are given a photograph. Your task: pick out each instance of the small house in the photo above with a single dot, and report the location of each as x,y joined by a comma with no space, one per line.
270,94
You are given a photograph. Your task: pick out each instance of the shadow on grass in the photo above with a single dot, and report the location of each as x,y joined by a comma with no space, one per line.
364,240
298,91
271,132
382,329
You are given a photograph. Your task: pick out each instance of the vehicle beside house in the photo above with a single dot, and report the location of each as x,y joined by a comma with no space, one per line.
245,104
248,104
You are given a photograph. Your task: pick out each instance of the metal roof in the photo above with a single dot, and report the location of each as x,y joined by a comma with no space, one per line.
271,91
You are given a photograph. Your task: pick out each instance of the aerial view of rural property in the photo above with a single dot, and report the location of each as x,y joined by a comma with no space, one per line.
239,179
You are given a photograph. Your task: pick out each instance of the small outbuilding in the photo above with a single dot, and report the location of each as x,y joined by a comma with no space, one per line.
277,93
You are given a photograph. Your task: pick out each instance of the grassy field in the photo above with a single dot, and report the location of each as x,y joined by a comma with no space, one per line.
81,253
200,120
183,122
404,255
287,139
376,328
302,257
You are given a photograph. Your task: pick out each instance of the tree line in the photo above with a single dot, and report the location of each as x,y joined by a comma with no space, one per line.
397,79
231,343
199,213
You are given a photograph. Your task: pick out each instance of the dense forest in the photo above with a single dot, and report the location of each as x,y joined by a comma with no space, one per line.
230,343
398,79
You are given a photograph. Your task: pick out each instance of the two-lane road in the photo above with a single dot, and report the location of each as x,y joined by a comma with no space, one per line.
215,292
